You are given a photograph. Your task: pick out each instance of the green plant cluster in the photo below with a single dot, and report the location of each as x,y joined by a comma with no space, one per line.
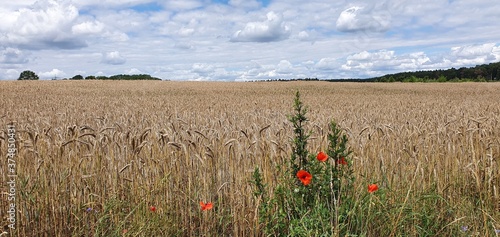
319,196
317,208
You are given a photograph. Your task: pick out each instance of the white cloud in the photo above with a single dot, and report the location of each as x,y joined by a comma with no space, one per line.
383,62
207,71
284,67
358,18
17,4
88,27
185,32
202,68
134,71
51,24
123,20
272,29
496,53
255,70
327,64
184,45
318,38
54,73
9,74
283,70
113,58
108,3
185,25
366,56
473,51
468,55
13,56
115,36
303,35
47,23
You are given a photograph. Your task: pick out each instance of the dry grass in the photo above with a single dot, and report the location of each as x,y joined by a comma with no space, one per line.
120,147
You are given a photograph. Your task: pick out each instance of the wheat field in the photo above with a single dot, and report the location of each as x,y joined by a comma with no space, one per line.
94,156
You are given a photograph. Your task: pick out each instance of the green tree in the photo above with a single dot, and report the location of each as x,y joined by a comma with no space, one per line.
90,78
28,75
77,77
442,79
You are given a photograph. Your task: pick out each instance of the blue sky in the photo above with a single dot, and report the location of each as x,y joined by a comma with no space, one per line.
238,40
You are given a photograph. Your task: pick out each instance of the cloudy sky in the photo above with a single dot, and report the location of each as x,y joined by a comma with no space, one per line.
245,39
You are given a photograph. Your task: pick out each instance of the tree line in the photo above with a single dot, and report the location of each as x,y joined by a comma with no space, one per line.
480,73
30,75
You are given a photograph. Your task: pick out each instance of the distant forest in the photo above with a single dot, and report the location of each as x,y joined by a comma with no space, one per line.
485,72
30,75
117,77
479,73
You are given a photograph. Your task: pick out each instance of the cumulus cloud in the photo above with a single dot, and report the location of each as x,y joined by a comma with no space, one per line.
9,74
134,71
207,72
114,19
52,24
366,56
113,58
284,67
383,61
88,27
359,18
13,56
185,32
473,51
202,68
272,29
47,23
388,61
193,35
54,73
469,55
327,64
303,36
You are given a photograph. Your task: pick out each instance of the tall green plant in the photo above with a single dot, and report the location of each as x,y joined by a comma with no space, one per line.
300,154
313,197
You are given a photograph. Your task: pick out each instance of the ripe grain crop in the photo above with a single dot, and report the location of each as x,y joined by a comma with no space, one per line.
95,156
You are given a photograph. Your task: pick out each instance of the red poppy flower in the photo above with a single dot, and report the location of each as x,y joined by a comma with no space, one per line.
152,208
372,188
342,161
304,177
206,206
322,156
